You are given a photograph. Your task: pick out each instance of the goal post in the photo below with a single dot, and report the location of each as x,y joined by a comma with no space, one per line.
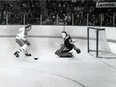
97,44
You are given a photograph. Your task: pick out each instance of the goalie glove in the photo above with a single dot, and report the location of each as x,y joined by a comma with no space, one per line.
28,43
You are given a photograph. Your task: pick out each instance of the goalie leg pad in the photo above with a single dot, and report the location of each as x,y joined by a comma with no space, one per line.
65,54
57,52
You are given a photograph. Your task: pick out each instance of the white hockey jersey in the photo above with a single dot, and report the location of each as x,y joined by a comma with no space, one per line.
21,34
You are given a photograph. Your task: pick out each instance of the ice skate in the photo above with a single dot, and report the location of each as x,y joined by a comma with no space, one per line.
27,54
16,54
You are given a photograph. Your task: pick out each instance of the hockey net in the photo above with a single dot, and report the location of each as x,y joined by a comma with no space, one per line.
97,43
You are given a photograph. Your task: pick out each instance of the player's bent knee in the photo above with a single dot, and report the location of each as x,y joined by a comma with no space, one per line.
24,47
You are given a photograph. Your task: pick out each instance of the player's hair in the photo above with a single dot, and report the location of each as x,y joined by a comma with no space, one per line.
28,25
65,32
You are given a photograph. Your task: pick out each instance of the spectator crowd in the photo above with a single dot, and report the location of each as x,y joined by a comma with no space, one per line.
70,12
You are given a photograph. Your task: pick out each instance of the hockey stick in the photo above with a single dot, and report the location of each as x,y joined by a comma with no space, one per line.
35,58
75,41
57,44
60,45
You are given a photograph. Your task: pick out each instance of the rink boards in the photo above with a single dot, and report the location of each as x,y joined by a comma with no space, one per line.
54,31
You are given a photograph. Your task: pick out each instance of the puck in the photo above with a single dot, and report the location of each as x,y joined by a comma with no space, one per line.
35,58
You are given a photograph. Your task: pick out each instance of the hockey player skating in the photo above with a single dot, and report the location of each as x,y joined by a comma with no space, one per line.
68,45
22,40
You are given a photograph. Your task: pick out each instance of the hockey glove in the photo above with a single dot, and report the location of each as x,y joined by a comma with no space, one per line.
28,43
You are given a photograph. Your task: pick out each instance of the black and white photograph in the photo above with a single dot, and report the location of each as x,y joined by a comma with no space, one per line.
57,43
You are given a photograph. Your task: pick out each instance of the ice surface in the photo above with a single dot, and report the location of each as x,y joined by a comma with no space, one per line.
51,71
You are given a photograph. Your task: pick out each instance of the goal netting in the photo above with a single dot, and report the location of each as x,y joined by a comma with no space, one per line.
97,43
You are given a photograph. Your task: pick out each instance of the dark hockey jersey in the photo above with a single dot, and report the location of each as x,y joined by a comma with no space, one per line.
67,42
